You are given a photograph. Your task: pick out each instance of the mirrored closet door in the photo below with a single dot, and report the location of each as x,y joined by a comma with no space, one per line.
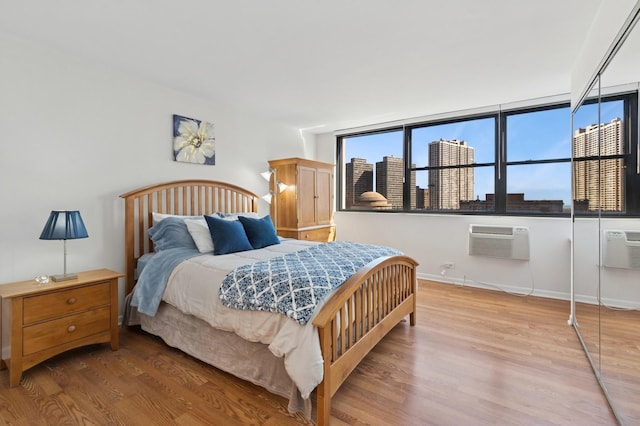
606,224
586,224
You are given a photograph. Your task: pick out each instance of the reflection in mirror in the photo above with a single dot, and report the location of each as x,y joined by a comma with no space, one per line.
606,233
586,226
620,285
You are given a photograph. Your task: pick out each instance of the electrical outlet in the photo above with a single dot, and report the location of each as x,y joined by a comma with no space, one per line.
445,267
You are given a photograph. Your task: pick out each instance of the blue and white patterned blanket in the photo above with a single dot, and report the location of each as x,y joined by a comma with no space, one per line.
296,283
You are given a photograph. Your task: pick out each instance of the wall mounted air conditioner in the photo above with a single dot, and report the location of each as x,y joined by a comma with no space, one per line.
622,249
509,242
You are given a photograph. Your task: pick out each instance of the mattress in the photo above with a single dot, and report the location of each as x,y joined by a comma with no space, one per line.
193,290
249,361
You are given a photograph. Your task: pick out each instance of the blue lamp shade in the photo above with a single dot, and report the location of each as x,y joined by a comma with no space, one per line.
64,225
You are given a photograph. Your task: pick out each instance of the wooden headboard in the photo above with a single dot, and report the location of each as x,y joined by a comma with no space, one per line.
183,197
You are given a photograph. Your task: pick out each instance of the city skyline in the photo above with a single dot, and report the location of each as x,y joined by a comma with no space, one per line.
536,135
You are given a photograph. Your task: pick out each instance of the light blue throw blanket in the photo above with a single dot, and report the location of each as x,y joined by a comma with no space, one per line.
152,280
296,283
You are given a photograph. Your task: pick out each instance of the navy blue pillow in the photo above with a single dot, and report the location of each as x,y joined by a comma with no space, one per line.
170,233
259,231
228,235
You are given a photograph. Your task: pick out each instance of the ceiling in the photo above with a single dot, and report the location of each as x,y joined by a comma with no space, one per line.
323,65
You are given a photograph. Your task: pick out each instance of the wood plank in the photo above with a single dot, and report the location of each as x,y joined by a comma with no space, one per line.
474,357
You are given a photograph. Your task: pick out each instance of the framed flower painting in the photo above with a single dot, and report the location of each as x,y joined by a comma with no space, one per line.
193,141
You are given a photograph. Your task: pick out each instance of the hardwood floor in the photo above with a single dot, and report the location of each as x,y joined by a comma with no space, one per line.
476,357
611,334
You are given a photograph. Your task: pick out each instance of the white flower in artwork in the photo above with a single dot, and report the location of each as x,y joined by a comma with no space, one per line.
193,141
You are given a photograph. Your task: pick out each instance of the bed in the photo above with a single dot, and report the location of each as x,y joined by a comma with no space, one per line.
352,320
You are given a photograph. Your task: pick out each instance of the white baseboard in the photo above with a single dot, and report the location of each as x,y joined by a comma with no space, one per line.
496,287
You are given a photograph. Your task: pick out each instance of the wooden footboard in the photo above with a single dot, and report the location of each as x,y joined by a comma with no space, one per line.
358,316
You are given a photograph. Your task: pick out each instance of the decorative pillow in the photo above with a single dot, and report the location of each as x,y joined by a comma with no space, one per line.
260,232
171,232
228,236
200,233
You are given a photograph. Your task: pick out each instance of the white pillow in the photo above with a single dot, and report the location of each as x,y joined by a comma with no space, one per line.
200,233
157,217
234,216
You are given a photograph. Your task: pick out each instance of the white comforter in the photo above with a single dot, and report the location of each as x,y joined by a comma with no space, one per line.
193,289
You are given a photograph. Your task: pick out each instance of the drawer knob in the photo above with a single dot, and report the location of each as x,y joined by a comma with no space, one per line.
71,328
71,300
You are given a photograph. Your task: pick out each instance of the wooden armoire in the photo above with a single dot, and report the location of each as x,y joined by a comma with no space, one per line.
305,208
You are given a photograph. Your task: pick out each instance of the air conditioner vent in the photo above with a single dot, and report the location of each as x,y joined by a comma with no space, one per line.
622,249
508,242
633,235
493,230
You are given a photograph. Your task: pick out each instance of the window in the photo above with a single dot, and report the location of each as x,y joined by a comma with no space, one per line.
538,161
455,164
375,160
600,159
506,162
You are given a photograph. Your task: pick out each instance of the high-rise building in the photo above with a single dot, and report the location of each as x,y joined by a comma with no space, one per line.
389,181
599,184
422,198
447,187
359,179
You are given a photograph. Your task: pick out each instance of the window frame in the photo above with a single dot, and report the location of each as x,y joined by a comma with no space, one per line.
501,195
630,159
408,154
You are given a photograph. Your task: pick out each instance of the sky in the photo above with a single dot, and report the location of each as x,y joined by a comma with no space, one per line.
535,135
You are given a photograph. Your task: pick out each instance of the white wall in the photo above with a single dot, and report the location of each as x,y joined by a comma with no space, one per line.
75,135
433,239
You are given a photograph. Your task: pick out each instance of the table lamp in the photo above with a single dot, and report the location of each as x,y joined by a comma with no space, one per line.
64,225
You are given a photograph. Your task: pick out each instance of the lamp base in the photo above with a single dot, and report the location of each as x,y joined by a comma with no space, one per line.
64,277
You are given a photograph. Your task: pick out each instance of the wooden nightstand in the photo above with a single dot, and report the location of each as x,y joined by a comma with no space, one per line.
43,320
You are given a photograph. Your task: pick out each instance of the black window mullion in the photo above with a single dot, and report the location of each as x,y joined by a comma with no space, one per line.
406,154
632,172
340,175
501,165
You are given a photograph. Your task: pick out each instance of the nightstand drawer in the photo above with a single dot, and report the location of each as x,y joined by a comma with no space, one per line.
53,305
66,329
